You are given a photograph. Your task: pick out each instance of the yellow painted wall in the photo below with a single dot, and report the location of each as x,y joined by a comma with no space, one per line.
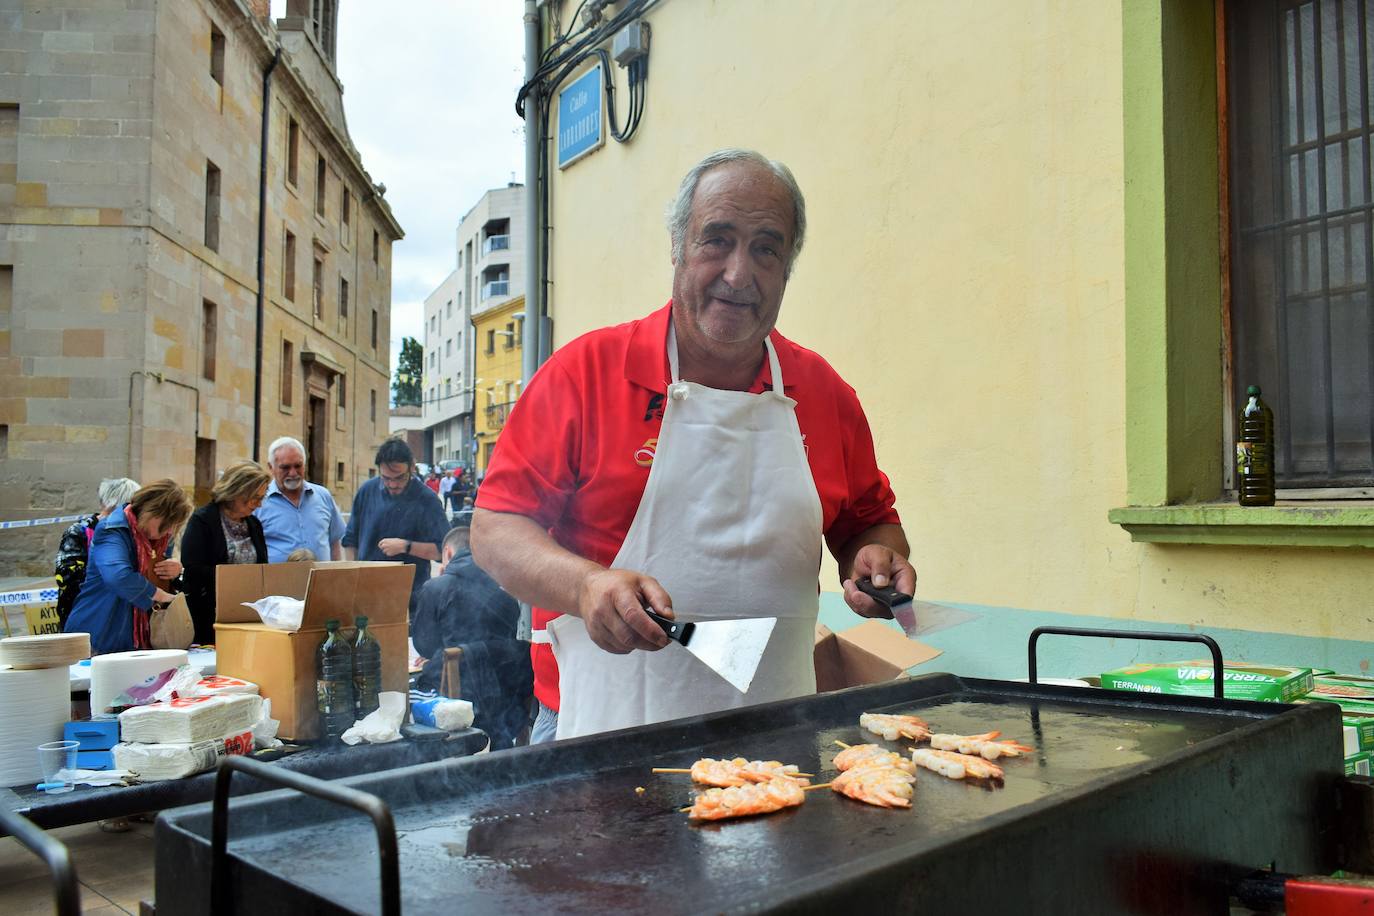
963,270
498,373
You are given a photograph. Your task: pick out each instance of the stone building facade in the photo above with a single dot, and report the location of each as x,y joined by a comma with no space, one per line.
131,175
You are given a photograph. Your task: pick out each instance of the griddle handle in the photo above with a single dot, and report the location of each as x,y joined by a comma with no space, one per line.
1218,669
678,630
371,805
66,891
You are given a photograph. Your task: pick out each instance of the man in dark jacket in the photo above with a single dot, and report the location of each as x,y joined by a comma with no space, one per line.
464,609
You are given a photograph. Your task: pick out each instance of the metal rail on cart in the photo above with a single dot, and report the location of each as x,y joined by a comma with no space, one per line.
371,805
1218,687
66,890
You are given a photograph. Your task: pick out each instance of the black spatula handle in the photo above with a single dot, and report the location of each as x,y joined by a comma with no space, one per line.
887,596
678,630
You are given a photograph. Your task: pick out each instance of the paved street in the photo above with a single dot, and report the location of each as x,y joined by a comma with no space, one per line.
115,869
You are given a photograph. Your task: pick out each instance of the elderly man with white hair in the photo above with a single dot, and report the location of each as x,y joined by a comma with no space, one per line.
296,513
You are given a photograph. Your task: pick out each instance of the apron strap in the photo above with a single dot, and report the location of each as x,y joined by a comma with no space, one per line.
540,638
773,364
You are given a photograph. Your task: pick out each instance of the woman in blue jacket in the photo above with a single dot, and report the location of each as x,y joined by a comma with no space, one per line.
129,569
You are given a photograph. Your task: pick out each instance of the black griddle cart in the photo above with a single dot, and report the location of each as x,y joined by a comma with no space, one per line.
1131,803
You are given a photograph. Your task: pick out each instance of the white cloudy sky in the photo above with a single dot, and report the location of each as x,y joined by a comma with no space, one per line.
429,92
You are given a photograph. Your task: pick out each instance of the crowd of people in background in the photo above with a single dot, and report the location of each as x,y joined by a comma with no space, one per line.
121,565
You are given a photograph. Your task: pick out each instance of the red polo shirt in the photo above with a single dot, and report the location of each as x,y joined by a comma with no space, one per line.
576,450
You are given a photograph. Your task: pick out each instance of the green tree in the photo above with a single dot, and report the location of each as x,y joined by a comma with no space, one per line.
405,387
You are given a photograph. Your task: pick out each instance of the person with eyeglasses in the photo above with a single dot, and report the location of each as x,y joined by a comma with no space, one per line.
297,513
396,517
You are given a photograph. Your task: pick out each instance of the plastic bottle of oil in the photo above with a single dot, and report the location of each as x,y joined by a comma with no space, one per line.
334,682
1255,451
367,669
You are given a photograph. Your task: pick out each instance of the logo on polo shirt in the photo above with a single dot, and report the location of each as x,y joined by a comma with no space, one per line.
655,409
644,455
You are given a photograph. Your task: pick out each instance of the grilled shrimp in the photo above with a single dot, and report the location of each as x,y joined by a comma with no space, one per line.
884,786
743,801
892,727
980,745
955,766
741,772
867,755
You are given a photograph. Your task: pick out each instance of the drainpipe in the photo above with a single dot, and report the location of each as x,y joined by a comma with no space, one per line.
262,254
534,278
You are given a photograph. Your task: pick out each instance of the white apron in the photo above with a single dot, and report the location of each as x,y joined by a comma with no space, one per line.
730,524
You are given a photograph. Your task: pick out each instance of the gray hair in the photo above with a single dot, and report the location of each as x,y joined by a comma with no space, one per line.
281,443
679,212
115,490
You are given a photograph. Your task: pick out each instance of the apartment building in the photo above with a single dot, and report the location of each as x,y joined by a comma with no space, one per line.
490,272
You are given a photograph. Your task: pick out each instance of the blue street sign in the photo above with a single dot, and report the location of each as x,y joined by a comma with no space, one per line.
579,118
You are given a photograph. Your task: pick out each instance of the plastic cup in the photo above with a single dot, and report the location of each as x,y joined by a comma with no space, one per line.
57,759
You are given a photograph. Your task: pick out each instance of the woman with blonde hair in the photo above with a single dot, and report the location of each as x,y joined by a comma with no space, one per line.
223,531
130,568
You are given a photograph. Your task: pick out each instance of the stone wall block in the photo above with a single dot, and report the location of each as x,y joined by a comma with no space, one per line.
67,41
83,342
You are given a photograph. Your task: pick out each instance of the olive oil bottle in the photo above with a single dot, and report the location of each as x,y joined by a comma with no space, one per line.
1255,451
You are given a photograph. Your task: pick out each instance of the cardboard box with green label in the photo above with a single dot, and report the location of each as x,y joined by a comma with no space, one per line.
1241,680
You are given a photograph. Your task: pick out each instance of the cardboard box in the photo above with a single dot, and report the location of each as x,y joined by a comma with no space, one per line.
283,664
869,653
1243,681
1357,765
1344,687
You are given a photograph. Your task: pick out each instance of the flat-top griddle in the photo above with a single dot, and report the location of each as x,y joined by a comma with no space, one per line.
1130,803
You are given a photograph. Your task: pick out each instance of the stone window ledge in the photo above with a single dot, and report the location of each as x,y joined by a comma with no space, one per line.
1285,524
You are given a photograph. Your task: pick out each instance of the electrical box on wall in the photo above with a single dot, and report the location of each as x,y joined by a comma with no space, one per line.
631,43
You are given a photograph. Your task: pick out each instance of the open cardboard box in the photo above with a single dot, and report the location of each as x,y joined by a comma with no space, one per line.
283,664
869,653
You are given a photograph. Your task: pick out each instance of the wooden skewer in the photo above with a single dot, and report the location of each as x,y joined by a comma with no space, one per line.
843,745
688,808
824,785
682,770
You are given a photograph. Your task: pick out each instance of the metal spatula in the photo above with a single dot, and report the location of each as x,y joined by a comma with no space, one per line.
730,648
899,603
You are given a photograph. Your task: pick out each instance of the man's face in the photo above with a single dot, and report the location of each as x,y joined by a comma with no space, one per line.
395,477
288,468
729,281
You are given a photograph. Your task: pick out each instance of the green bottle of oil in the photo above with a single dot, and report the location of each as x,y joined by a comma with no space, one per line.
334,682
367,669
1255,451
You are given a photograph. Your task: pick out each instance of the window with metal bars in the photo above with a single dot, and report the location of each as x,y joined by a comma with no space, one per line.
1299,130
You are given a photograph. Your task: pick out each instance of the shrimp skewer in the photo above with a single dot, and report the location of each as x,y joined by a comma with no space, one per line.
893,727
980,745
744,801
867,755
740,772
882,786
955,766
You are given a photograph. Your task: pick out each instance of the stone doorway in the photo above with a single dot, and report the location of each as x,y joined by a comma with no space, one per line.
316,427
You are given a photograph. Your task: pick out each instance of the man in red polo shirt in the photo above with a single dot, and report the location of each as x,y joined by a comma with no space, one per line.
692,460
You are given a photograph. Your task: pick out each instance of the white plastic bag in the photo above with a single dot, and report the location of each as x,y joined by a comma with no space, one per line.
265,729
279,612
383,724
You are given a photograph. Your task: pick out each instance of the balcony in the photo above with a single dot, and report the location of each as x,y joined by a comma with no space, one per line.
495,243
495,288
497,413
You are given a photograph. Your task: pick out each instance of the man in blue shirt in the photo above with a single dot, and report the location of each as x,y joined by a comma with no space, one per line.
295,513
396,517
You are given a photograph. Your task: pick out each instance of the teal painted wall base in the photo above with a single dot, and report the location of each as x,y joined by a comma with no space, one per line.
990,642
